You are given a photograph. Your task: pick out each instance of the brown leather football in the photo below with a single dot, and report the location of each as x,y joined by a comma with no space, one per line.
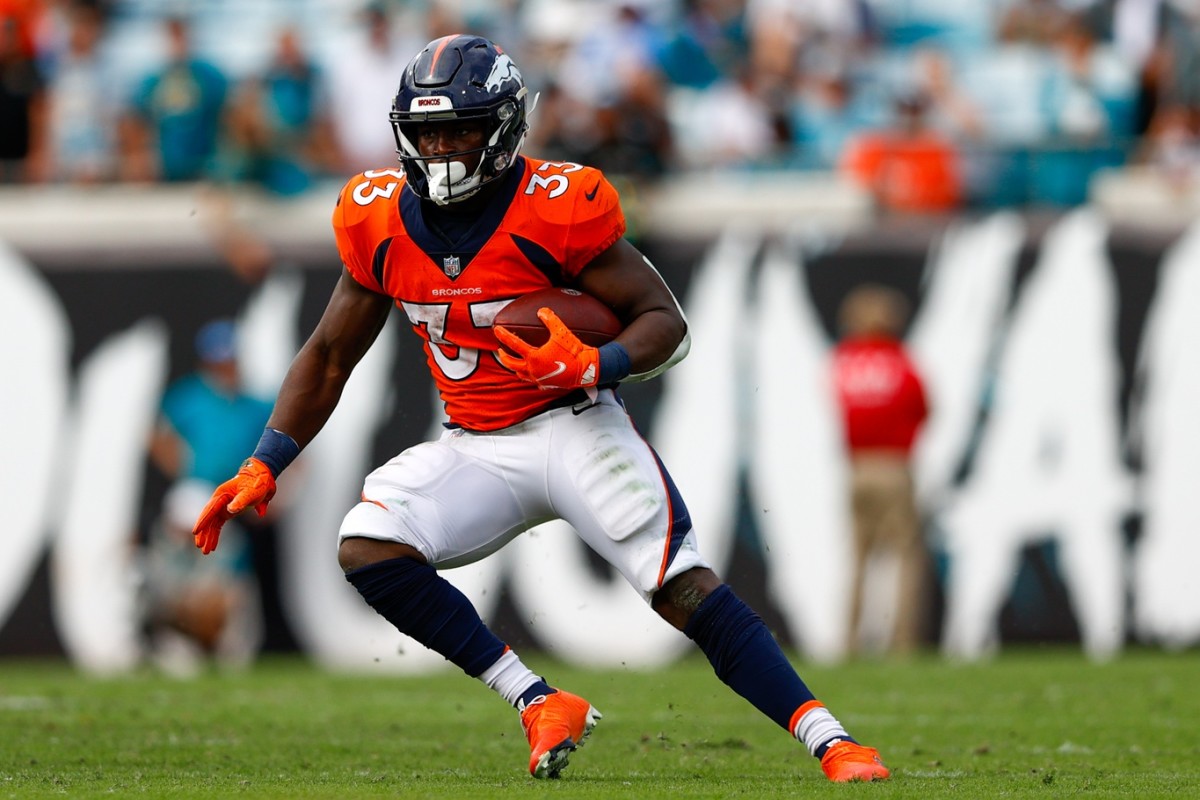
589,319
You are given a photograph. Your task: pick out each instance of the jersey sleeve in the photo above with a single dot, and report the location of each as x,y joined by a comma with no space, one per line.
352,230
597,222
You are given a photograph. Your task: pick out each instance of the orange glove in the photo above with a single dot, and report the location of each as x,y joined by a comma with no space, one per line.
254,485
563,362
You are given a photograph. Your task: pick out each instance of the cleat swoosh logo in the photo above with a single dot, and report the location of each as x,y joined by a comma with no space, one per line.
559,370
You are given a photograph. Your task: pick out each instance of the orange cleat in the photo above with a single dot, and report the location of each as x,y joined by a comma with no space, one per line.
555,725
847,761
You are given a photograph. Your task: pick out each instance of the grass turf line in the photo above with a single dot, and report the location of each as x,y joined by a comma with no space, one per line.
1041,723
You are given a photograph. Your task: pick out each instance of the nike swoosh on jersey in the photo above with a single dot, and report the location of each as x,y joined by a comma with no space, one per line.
560,369
592,194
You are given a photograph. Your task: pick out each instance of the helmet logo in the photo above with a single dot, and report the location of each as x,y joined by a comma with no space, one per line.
503,71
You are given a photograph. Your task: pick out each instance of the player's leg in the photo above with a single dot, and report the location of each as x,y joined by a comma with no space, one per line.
747,658
618,521
397,581
434,505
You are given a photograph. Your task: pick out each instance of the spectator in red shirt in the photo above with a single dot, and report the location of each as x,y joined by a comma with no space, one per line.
883,406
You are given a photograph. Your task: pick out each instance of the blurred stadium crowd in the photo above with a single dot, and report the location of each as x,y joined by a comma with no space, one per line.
933,105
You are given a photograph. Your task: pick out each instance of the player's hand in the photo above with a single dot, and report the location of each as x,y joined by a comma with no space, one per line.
563,362
254,485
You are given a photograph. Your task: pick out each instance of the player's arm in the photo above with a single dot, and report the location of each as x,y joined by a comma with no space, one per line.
313,385
310,391
655,335
653,338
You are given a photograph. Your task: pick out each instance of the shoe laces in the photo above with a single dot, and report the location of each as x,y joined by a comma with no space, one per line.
527,720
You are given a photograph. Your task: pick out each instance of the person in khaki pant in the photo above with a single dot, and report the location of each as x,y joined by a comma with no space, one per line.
884,406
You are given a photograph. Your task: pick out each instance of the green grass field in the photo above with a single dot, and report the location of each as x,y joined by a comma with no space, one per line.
1034,723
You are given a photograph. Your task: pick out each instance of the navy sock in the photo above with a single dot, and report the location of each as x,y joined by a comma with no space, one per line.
427,607
745,655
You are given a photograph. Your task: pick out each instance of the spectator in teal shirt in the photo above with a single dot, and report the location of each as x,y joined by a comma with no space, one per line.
212,419
277,131
173,132
203,608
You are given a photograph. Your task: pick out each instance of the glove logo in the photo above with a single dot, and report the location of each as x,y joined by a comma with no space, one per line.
559,369
589,375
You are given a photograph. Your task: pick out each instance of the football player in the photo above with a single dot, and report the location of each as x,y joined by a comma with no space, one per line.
467,225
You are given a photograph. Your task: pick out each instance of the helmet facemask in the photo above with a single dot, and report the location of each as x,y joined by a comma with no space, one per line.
444,176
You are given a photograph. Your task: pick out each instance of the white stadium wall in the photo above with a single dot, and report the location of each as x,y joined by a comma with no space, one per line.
1056,473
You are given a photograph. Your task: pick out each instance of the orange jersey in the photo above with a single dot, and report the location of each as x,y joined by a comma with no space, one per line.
546,222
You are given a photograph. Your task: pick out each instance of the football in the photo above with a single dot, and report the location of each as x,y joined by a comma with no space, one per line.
589,319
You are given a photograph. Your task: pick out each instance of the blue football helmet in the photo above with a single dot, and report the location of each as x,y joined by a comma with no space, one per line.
459,77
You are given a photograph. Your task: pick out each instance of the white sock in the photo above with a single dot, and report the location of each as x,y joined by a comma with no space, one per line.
817,727
508,677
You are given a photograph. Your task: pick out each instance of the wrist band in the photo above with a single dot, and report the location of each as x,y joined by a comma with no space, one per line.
276,449
615,363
